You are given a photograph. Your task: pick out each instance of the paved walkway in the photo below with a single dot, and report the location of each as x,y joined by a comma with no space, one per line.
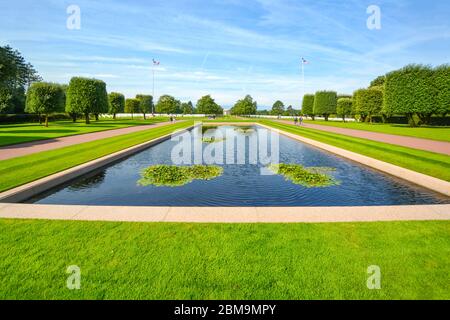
23,149
410,142
226,215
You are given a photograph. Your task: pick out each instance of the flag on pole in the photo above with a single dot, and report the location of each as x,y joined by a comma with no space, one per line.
156,63
304,61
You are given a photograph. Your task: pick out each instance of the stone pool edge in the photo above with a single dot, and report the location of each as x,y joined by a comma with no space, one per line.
36,187
226,214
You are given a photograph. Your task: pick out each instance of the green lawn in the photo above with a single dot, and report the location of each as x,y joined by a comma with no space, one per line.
17,171
433,164
18,133
433,133
218,261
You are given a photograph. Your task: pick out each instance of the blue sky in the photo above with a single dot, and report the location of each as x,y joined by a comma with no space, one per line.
227,48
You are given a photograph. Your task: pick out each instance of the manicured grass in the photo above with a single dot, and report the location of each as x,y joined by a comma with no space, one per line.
433,133
218,261
433,164
19,133
17,171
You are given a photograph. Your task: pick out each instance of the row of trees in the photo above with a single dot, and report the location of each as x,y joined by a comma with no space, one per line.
415,91
88,97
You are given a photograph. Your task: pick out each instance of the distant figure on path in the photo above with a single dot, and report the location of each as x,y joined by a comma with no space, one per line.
301,120
295,120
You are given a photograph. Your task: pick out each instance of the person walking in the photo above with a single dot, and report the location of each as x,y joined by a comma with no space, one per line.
295,120
301,120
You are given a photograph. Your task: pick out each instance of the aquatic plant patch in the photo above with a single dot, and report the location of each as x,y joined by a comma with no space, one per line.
175,176
212,139
312,177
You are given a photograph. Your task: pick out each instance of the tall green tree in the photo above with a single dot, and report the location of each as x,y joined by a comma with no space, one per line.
116,103
245,107
411,91
168,105
308,105
187,108
132,106
16,76
442,83
278,108
325,103
145,104
45,98
86,96
101,103
368,102
207,105
344,107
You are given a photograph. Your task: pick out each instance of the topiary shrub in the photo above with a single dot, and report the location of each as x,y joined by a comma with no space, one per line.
325,103
442,83
308,105
86,96
145,104
116,103
368,102
45,98
344,107
411,91
132,106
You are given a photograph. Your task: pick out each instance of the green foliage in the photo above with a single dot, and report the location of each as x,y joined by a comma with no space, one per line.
368,102
207,105
411,90
101,103
442,83
187,108
86,96
175,176
344,107
378,82
308,105
245,106
15,76
132,106
116,103
307,177
45,98
168,105
145,103
325,103
278,108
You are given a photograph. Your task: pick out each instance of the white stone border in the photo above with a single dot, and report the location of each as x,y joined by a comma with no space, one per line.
226,214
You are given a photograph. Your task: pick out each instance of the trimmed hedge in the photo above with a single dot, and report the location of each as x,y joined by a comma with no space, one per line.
86,96
344,107
132,106
145,103
308,105
368,102
442,83
325,103
168,105
411,90
116,103
44,98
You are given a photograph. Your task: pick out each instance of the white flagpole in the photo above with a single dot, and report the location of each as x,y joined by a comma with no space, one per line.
153,92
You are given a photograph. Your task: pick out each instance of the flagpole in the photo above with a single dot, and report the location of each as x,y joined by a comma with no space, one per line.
153,92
